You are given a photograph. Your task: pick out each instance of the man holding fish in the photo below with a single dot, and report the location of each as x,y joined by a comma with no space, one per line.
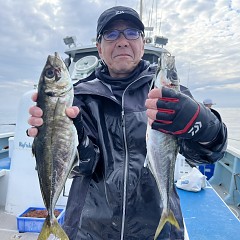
114,195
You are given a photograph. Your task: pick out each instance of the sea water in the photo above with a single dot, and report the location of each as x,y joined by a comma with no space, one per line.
230,116
7,120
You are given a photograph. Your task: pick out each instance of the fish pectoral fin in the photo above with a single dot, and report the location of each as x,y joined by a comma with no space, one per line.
52,228
75,167
76,160
165,217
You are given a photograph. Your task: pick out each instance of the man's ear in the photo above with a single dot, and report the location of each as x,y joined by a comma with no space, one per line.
98,45
144,41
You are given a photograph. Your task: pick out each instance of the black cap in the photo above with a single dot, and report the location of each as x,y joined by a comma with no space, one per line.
118,12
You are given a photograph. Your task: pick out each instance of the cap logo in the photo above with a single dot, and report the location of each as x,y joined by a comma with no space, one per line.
119,12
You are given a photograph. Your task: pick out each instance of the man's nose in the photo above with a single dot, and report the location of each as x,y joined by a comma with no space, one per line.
122,41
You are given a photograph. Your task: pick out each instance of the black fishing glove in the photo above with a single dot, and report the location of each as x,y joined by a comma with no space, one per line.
87,150
79,126
183,117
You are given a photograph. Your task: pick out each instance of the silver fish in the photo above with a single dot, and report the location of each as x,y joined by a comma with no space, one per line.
162,149
55,146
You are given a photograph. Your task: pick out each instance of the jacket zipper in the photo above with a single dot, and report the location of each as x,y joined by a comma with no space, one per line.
126,163
125,176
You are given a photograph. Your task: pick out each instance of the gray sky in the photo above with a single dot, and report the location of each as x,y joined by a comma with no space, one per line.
204,36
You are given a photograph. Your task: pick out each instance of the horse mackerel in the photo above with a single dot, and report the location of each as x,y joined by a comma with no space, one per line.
162,149
55,146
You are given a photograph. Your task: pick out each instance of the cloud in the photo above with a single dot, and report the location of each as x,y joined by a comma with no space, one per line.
203,35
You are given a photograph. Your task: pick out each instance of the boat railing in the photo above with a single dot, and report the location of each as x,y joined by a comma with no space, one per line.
226,178
4,147
4,150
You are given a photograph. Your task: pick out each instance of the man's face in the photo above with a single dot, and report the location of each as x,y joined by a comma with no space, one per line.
208,105
121,55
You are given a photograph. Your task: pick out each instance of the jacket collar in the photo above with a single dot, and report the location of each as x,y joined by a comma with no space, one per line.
95,86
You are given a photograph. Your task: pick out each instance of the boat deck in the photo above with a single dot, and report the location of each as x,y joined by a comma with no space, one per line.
207,216
8,228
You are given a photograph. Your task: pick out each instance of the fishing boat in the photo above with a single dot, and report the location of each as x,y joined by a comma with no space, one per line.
212,213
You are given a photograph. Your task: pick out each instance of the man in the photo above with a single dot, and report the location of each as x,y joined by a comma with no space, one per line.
208,103
122,199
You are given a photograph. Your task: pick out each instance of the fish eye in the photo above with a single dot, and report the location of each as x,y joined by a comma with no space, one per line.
49,73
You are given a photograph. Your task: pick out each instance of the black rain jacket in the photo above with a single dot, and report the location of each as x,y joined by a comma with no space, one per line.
122,199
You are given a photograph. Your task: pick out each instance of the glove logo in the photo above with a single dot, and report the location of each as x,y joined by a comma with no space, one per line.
195,128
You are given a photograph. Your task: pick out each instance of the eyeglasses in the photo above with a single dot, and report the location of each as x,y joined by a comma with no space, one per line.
129,34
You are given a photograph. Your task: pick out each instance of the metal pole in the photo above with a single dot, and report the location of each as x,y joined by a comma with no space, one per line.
140,9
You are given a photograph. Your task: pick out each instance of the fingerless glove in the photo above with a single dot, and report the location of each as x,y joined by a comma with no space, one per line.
180,115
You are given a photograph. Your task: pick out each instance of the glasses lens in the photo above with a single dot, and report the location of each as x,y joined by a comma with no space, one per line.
131,34
111,35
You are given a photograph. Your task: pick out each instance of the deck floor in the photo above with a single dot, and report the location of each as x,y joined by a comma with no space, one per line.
207,217
8,228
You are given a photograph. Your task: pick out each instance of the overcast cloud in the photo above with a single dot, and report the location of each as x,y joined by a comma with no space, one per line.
204,36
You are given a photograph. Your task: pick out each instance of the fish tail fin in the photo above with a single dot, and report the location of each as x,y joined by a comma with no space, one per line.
45,232
52,228
173,220
166,217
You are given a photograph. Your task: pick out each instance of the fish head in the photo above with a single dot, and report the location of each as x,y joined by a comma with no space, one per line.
55,79
167,75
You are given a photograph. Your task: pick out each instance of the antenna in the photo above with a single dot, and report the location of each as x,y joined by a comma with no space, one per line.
140,14
160,24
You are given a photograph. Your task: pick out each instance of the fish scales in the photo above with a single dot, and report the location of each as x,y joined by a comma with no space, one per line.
55,146
162,149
